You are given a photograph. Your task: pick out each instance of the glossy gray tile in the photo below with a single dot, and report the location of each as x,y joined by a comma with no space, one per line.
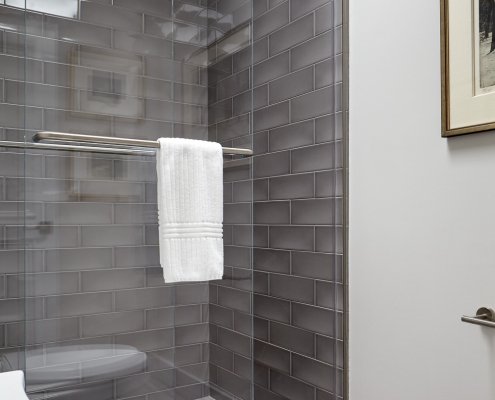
104,280
78,304
234,384
274,19
272,260
169,317
136,213
313,372
313,104
144,298
42,331
292,237
326,294
191,334
271,69
326,349
293,339
114,17
313,212
272,212
292,85
234,341
271,164
112,323
157,7
234,299
272,309
313,158
75,31
292,288
39,237
289,387
292,187
299,8
191,294
314,319
312,51
20,69
271,117
78,213
78,259
147,340
234,127
233,85
16,20
272,356
291,136
121,235
145,383
292,34
325,73
324,17
42,284
326,128
221,316
313,265
326,239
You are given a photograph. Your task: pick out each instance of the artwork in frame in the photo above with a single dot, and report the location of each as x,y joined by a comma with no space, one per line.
468,66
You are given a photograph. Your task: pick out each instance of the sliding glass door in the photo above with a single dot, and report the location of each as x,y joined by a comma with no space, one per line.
85,309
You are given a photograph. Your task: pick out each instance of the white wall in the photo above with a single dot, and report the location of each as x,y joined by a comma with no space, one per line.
422,218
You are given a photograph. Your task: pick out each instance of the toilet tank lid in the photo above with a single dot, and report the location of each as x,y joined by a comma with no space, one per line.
12,385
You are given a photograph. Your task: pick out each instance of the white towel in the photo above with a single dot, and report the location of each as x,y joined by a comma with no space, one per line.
190,209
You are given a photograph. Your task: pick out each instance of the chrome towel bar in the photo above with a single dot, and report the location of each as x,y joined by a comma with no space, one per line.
484,317
76,148
116,141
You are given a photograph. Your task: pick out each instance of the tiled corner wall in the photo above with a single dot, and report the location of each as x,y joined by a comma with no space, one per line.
119,68
295,86
231,299
116,67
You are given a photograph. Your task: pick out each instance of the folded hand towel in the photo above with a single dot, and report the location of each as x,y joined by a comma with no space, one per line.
190,209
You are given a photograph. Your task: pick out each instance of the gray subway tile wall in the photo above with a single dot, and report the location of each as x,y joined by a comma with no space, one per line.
80,262
297,193
142,69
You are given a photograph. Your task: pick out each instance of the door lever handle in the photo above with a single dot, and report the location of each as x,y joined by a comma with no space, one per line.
484,317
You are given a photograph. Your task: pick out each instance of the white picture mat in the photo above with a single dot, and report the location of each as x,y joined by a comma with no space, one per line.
466,107
477,62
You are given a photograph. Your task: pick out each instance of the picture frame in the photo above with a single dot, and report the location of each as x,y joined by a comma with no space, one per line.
468,66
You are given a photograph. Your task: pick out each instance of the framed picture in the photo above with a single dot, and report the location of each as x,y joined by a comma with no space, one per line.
468,66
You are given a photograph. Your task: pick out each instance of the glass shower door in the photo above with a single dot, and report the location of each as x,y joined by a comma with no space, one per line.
85,309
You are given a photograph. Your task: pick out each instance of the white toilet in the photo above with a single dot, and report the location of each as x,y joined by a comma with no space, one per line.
12,385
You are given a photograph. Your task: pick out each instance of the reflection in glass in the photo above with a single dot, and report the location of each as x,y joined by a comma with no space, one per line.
64,8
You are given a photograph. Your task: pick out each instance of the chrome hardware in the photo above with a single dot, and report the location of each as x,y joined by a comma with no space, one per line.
116,141
100,144
484,316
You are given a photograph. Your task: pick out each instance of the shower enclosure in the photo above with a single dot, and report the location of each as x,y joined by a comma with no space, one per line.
84,309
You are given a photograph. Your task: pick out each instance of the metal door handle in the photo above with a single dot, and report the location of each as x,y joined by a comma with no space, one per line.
484,316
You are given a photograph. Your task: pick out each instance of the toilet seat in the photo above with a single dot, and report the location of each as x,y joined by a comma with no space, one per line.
105,361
